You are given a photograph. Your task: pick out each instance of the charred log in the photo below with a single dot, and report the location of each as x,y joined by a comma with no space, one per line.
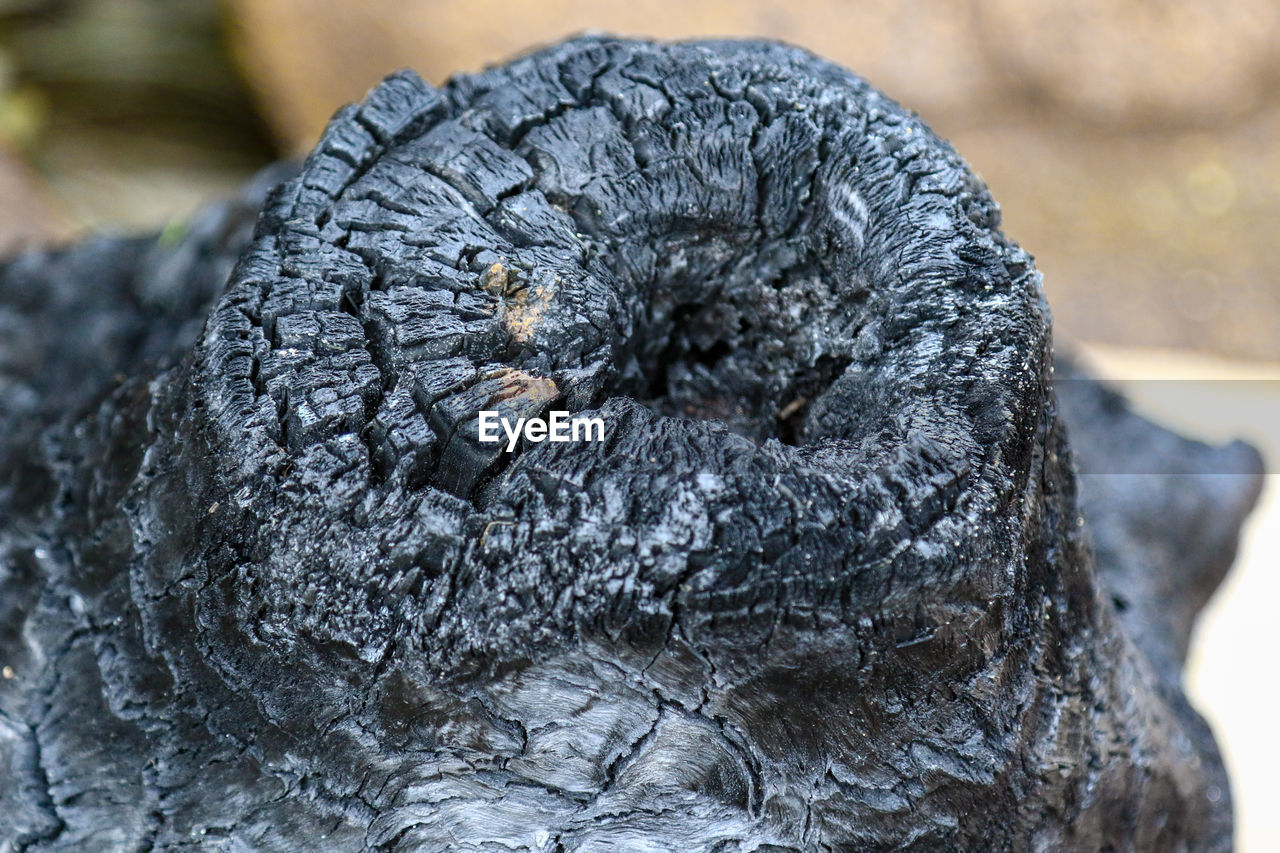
824,585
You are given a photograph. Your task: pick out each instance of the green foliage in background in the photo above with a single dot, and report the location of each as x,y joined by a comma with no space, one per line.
140,88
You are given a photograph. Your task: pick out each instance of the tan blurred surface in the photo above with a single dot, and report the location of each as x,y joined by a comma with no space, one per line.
1231,676
126,114
1121,62
27,215
307,56
1127,62
1155,237
1131,144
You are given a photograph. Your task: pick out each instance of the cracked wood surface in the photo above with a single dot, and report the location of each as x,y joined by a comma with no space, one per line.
824,586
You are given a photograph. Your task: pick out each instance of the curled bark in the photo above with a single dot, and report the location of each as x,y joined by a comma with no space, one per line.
824,584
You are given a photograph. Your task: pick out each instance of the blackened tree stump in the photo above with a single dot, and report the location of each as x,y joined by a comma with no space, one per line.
825,585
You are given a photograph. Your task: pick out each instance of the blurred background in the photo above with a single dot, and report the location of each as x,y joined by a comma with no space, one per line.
1132,145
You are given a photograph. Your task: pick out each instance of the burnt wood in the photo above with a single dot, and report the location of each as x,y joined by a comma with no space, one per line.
827,583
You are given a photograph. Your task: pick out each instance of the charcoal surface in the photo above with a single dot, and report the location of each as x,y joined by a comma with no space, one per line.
825,584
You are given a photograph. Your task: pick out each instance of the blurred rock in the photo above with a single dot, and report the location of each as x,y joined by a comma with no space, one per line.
306,57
